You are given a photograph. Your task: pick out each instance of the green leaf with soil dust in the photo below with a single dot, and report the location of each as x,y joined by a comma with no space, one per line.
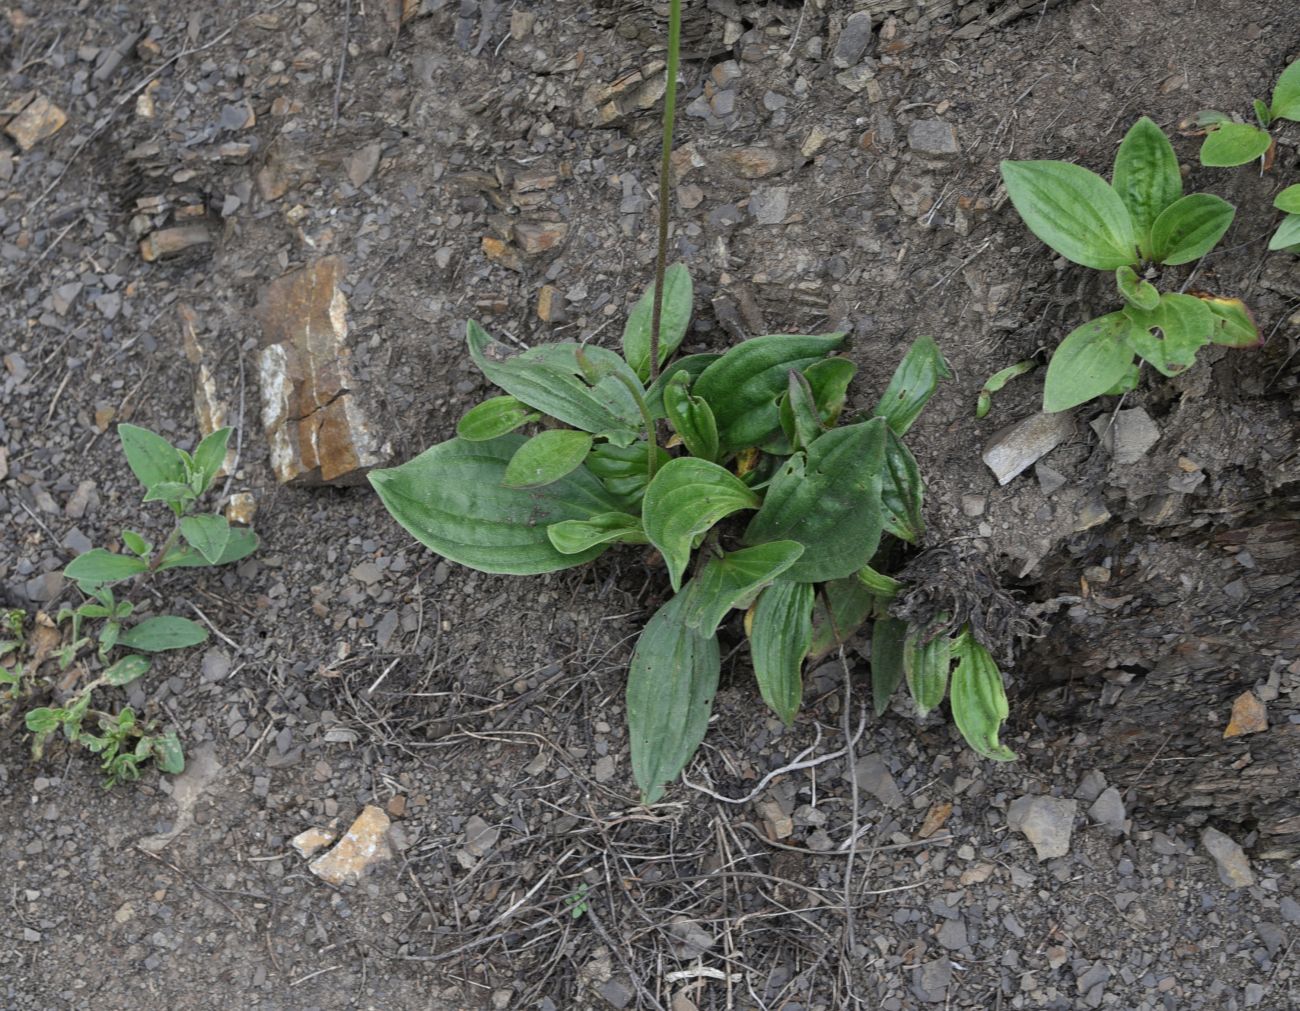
154,635
1136,291
679,296
1288,200
152,459
100,566
546,458
733,579
670,687
978,699
912,385
779,639
207,534
1074,211
1169,337
126,670
1091,359
451,499
493,418
1189,228
1146,176
1229,144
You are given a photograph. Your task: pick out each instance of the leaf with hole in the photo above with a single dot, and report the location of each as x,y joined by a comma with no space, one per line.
733,579
978,699
685,498
779,639
912,385
1169,337
670,687
1074,211
451,499
1091,359
675,318
1146,176
1189,228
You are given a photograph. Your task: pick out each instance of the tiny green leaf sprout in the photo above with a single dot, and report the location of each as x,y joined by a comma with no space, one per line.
1138,220
1287,236
1229,142
178,479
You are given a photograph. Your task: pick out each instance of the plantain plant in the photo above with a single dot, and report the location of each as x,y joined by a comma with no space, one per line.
1229,142
1287,235
1138,221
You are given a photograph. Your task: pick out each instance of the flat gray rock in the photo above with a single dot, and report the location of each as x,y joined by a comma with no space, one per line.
853,41
874,777
1017,447
933,138
1233,864
1108,811
1046,822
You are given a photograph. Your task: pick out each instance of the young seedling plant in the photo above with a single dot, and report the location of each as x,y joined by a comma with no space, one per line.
1229,142
120,645
1137,221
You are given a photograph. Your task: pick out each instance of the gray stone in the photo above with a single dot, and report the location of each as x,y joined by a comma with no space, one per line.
1254,994
1090,786
769,205
1049,480
74,540
952,934
1096,975
1290,910
1234,866
853,41
1019,446
1108,811
1046,822
933,980
616,993
933,138
480,837
1128,436
874,777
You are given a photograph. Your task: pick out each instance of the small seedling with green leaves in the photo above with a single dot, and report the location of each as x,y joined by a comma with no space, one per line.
180,480
1139,220
1287,235
1230,142
995,382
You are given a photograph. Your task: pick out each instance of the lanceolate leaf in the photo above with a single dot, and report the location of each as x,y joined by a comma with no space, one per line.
451,499
1170,336
210,454
547,457
733,580
778,642
829,379
1074,211
1092,359
1286,94
798,411
851,603
207,534
883,586
925,665
743,385
153,635
1287,234
550,379
675,318
1146,176
1189,228
901,491
1232,143
1234,325
684,500
888,636
979,702
126,670
572,537
100,566
828,499
913,383
153,460
241,543
670,687
494,417
691,418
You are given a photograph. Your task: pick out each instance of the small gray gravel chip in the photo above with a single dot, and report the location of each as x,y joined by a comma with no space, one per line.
933,138
853,40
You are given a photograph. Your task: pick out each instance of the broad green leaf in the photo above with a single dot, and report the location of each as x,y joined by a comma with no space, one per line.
153,635
127,669
1128,382
1288,200
979,702
828,499
779,639
675,318
1287,234
207,534
152,459
572,537
733,580
209,456
550,378
851,603
450,498
685,498
135,543
1286,94
1169,337
167,753
742,387
691,418
914,381
1092,359
888,636
108,637
100,566
901,491
242,543
800,417
494,417
1189,228
1229,144
1234,326
1146,176
829,379
43,720
925,666
692,365
1137,292
1074,211
671,682
547,457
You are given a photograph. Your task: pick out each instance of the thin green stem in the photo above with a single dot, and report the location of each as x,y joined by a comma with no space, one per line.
665,167
652,443
161,553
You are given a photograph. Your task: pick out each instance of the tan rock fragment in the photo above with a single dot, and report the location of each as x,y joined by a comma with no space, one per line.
550,304
535,237
210,409
241,508
1248,716
502,253
317,429
40,119
364,845
169,242
752,162
308,843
